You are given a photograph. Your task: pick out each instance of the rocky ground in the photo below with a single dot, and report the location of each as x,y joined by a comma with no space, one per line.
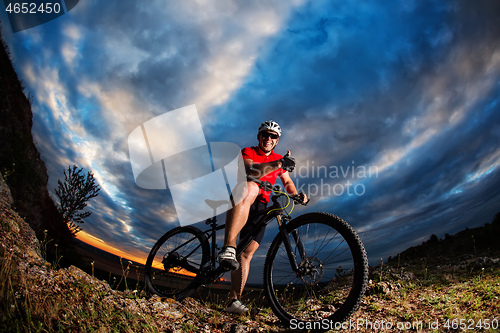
37,297
75,301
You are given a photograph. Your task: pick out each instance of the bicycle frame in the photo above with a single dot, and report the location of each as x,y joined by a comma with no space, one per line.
275,211
210,272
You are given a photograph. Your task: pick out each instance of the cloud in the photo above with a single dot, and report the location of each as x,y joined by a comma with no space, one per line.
410,89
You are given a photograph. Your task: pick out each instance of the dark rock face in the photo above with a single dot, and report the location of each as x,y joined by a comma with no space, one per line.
20,162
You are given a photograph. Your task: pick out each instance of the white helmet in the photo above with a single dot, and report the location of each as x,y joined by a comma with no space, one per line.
270,125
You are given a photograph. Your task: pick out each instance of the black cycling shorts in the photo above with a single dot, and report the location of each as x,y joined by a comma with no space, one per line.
252,222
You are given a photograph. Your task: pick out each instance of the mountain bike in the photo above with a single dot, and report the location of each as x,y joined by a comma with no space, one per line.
316,267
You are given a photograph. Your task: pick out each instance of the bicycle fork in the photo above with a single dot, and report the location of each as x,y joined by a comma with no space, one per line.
288,246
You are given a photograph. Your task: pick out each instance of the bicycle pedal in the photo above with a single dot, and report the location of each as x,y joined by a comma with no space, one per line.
224,269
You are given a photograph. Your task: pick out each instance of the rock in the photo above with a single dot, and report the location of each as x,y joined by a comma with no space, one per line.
382,287
238,328
6,199
481,263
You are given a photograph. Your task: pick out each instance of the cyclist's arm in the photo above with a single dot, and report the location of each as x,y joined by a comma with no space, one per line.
289,185
259,170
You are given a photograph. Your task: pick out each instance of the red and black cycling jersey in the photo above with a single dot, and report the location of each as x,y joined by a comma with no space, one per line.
257,155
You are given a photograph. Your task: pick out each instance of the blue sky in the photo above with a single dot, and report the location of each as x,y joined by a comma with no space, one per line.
408,90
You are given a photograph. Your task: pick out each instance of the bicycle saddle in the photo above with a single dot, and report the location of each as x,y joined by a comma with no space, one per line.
214,204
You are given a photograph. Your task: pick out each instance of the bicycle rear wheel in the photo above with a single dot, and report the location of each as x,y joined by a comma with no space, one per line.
175,260
332,276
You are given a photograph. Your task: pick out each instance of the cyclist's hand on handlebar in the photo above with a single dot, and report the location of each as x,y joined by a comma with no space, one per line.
288,162
302,199
305,199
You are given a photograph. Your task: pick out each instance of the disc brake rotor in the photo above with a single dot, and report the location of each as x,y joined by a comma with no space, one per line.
312,271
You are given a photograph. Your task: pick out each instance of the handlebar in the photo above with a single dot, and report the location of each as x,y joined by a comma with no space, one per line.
267,186
299,198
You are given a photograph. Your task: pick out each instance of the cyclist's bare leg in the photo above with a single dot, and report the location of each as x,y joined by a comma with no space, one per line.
238,215
239,277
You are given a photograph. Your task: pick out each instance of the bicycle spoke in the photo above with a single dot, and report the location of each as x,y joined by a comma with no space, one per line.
325,276
175,260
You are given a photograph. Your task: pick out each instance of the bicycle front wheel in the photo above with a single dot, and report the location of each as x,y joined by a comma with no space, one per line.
175,260
331,278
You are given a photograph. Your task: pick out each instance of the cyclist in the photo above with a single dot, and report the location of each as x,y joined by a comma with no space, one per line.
263,163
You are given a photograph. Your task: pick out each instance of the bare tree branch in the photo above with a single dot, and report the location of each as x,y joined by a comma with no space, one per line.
74,193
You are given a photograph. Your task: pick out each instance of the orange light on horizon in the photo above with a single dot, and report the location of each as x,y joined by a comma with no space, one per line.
158,265
182,271
100,244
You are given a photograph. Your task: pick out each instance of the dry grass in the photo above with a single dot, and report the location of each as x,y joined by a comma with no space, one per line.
77,308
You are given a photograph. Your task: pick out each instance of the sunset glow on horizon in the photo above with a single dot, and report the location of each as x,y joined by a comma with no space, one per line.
100,244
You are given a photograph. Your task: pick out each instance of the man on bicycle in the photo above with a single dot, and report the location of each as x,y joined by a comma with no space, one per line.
263,163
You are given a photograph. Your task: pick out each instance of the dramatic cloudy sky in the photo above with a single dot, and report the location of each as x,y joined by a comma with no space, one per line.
406,93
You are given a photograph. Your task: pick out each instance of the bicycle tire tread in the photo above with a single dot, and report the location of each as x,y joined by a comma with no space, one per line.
353,301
